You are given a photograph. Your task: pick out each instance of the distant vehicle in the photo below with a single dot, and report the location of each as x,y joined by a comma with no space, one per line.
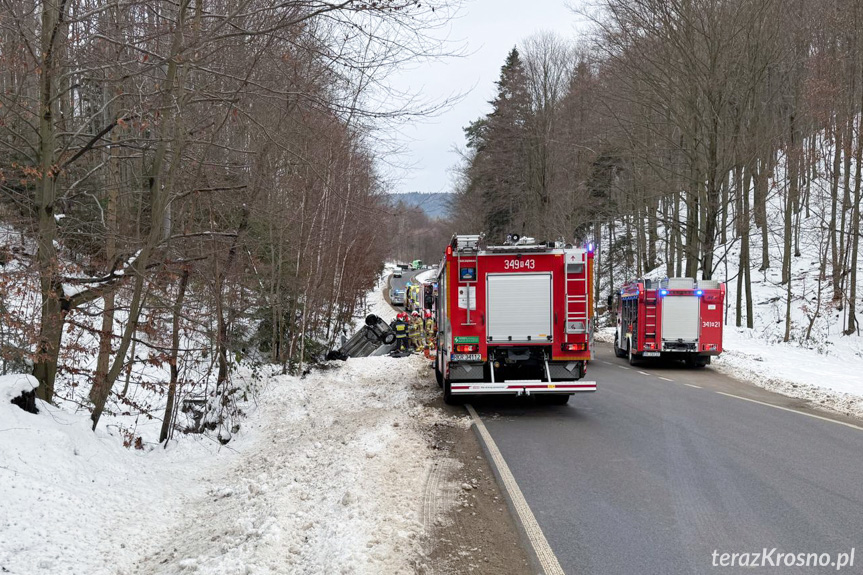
416,264
397,273
514,319
412,303
675,318
397,296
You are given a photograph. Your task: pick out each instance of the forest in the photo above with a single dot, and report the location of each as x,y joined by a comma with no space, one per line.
680,135
188,185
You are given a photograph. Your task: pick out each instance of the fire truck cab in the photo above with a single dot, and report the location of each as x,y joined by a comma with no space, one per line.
514,319
674,318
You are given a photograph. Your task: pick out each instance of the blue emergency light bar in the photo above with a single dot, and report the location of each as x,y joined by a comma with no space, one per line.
663,292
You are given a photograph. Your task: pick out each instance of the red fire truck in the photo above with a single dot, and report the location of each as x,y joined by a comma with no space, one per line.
676,318
514,319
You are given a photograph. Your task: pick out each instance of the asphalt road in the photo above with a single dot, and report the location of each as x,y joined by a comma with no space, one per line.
650,475
401,282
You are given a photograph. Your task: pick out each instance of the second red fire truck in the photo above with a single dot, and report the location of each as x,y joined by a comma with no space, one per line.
675,318
514,319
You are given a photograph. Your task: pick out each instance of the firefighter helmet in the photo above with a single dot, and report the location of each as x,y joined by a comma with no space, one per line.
415,313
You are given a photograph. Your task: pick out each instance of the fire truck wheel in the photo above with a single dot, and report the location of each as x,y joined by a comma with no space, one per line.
448,397
437,374
633,359
617,351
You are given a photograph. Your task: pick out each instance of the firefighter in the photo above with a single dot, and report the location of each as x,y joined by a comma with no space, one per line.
431,332
415,331
400,328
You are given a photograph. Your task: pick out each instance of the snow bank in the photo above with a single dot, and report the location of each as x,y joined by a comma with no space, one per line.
824,379
332,482
426,276
12,386
327,475
75,501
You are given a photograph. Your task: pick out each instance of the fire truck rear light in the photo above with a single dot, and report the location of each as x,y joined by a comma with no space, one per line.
574,346
648,345
467,348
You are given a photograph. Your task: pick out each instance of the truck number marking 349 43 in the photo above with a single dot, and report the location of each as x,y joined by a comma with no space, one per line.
526,264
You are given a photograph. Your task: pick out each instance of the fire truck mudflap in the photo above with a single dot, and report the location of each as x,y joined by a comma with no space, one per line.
514,319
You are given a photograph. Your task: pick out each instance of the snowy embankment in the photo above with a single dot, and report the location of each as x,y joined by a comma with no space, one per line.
326,475
77,501
331,482
829,380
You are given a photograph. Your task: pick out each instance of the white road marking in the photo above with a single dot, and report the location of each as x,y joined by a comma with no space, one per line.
622,367
664,378
606,362
851,425
643,373
547,559
690,385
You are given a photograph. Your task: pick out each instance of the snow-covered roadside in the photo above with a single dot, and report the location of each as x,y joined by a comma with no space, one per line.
327,475
332,483
828,380
74,501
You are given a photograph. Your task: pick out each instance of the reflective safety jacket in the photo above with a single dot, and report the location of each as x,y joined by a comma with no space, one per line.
400,328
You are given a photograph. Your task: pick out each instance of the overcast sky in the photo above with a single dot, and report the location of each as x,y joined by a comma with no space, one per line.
488,30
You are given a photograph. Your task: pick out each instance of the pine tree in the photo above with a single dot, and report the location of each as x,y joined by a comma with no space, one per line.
497,173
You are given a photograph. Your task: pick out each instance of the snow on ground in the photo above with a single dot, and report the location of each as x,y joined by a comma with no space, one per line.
331,483
828,380
66,491
326,475
426,276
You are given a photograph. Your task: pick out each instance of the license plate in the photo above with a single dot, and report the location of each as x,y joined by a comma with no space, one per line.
650,354
466,357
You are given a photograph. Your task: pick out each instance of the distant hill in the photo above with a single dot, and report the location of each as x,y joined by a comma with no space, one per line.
435,205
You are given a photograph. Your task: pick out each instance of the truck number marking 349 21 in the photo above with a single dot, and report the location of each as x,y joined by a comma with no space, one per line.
711,324
513,264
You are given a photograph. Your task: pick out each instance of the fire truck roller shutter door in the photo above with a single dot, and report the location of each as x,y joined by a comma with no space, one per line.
519,307
680,318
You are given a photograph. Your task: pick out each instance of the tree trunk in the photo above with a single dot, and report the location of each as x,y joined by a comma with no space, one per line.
51,290
175,351
746,261
855,234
